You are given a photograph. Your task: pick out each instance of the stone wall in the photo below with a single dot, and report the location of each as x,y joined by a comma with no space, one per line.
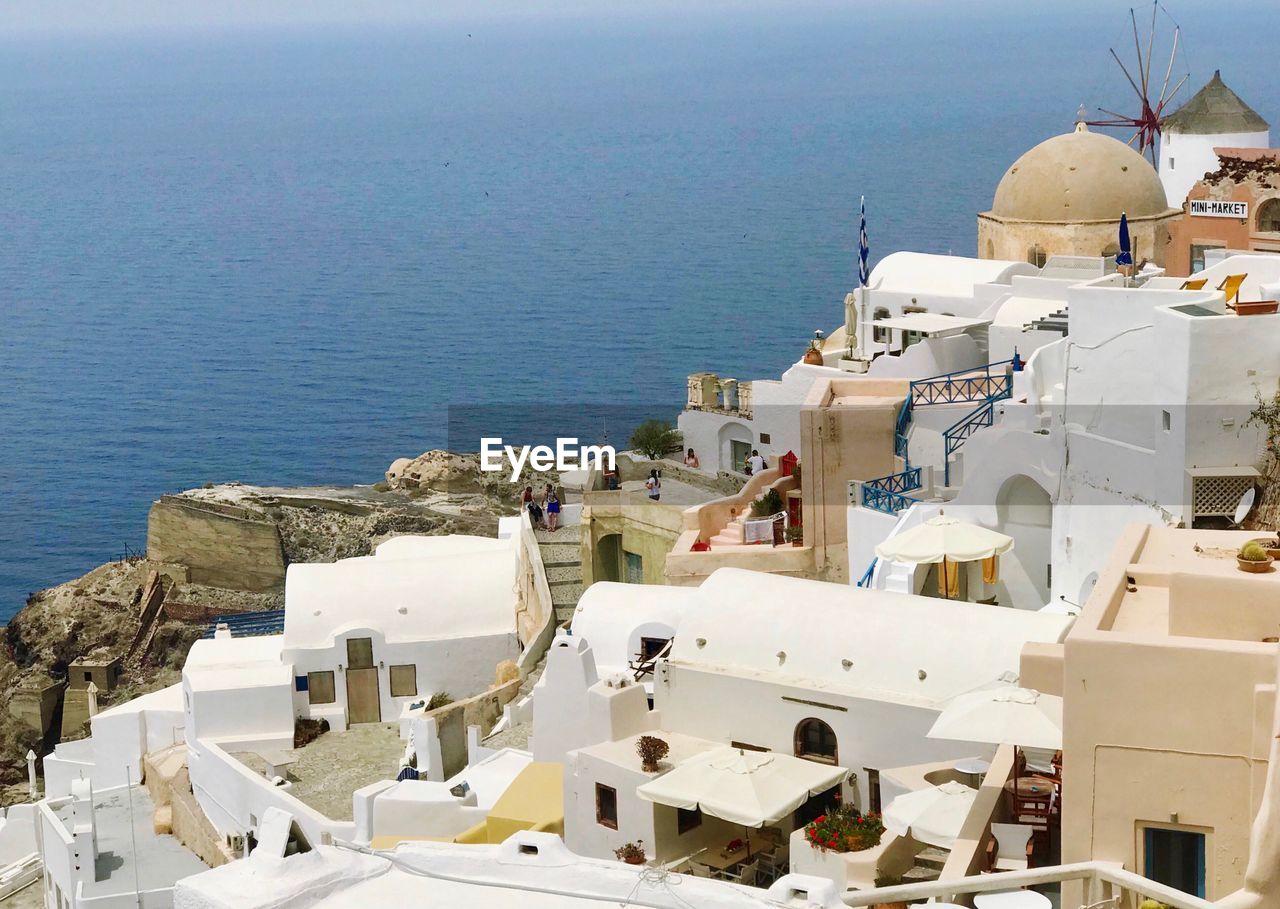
223,546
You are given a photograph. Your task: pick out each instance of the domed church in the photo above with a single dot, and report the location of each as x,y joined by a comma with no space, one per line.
1065,196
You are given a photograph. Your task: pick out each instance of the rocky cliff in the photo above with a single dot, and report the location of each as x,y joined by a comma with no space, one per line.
211,551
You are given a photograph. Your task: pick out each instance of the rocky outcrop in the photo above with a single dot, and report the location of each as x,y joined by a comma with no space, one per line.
212,551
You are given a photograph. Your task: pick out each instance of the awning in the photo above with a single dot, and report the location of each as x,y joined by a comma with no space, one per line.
943,537
934,816
1002,716
930,323
751,788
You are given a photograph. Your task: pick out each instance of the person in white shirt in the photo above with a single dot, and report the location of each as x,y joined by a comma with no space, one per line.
653,485
756,463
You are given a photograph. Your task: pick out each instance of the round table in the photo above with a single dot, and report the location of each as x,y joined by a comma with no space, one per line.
1029,787
1012,899
972,766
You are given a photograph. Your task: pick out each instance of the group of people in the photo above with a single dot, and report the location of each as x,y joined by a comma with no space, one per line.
544,509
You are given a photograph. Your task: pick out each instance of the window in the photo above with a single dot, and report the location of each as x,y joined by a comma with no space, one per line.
404,681
635,569
1170,163
651,647
1197,254
88,676
688,819
879,334
1166,420
360,653
765,438
816,741
1037,256
606,806
1269,216
320,687
300,683
1174,858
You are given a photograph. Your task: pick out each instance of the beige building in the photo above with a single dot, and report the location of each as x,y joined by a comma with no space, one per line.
1065,197
1169,710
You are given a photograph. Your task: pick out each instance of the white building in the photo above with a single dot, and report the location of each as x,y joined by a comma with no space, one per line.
1139,412
1215,117
368,636
820,671
933,313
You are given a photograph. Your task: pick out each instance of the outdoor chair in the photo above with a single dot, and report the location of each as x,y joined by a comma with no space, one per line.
1197,284
1231,287
771,868
697,869
745,875
1010,847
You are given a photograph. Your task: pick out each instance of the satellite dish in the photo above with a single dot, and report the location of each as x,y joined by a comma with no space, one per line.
1245,506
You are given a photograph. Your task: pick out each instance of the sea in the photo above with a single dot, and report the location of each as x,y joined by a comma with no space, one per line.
290,254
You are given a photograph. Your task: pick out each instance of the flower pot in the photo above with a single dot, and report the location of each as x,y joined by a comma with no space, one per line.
634,860
1254,567
649,768
1256,307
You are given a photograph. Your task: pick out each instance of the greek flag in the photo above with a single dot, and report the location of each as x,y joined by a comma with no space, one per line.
864,274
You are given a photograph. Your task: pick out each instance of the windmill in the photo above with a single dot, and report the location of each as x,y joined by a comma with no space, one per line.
1149,121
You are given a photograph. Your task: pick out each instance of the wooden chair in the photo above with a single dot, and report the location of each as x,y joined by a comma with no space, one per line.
1197,284
1230,286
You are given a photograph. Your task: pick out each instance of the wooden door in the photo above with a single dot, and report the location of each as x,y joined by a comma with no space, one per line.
363,701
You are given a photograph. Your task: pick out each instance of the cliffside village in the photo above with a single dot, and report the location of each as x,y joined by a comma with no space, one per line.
996,623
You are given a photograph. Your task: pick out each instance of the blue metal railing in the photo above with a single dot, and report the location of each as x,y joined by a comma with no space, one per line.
961,386
866,578
888,494
249,624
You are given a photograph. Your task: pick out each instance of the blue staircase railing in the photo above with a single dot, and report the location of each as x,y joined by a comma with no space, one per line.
865,581
966,385
888,494
249,624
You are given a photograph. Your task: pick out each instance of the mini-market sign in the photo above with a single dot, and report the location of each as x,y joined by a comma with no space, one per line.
1211,208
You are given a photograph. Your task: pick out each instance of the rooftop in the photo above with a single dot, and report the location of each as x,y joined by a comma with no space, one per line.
1213,110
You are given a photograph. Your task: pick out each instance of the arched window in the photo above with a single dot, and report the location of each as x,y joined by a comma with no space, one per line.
1269,216
991,250
880,334
816,741
1036,255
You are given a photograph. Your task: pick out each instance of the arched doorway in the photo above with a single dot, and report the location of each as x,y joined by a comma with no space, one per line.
607,564
816,741
1025,513
735,446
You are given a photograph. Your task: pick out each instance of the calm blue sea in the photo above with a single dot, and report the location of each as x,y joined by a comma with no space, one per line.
280,256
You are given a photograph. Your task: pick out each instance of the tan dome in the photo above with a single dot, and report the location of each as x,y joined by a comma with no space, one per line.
1079,176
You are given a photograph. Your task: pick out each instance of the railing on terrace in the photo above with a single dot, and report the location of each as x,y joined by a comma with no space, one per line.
888,494
1105,885
977,384
865,580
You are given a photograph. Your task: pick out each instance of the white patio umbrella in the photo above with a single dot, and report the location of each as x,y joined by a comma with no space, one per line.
944,537
751,788
934,815
1007,715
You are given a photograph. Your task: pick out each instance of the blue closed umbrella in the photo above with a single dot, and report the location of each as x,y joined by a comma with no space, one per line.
1125,256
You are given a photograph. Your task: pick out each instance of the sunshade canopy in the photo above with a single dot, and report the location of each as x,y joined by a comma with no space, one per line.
934,815
751,788
1002,716
943,537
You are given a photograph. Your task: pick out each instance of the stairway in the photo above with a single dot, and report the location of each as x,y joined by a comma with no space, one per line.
732,535
928,866
562,558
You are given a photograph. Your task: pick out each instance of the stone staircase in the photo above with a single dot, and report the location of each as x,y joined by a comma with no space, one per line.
562,558
733,534
928,866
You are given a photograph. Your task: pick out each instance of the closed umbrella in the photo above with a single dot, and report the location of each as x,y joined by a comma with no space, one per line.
1125,256
1007,715
934,815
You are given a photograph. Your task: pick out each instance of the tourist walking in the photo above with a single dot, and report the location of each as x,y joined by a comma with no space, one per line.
528,503
653,486
756,463
553,508
691,460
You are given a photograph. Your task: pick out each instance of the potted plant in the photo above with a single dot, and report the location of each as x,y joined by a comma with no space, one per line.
1253,558
1152,904
795,535
651,750
767,505
844,829
631,853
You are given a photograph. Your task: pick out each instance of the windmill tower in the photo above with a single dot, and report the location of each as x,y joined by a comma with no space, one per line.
1215,117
